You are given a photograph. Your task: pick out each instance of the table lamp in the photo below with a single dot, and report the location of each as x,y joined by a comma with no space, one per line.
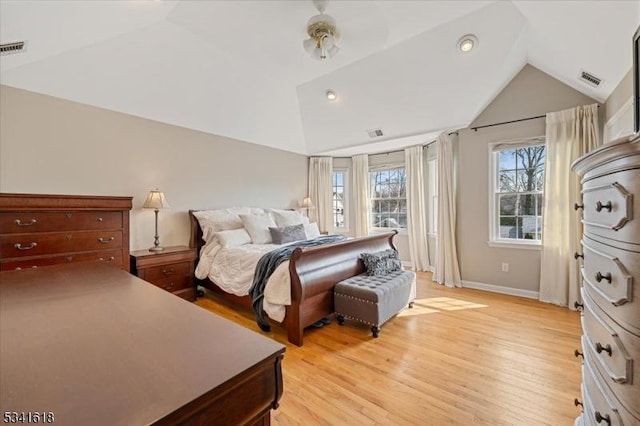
156,201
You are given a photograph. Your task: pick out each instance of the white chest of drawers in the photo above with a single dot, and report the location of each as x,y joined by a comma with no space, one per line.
610,283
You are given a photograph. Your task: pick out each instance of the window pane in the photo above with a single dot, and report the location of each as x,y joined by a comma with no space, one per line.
506,159
529,227
508,227
507,181
508,204
538,204
527,205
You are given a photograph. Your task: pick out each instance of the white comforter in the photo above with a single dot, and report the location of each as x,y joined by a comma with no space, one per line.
232,269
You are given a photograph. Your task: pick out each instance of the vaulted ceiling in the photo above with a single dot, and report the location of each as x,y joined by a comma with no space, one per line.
238,69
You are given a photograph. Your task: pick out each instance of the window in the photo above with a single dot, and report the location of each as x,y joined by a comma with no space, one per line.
432,191
339,199
388,198
518,192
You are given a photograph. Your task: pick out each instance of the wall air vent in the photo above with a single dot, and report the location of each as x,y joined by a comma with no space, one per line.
10,48
375,133
590,79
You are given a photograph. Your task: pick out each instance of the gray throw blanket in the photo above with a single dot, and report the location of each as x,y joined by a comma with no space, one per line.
269,262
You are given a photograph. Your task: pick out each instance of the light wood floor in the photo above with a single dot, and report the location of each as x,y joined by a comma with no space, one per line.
460,357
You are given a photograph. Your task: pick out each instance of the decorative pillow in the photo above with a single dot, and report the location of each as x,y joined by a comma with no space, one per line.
288,234
233,237
286,218
381,262
311,230
257,225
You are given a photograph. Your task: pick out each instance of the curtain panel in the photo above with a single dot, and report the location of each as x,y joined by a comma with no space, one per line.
416,208
447,271
321,192
570,134
360,179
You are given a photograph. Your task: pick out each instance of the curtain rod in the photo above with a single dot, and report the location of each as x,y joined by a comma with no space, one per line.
475,129
402,150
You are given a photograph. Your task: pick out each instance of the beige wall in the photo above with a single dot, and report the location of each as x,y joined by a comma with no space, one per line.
49,145
530,93
619,110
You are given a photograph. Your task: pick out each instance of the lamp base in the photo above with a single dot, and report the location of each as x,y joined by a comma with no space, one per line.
157,248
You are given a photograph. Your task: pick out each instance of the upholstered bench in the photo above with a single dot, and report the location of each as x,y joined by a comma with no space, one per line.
374,299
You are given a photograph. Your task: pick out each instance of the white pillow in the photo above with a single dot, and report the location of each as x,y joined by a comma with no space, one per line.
212,221
257,225
233,237
311,230
286,218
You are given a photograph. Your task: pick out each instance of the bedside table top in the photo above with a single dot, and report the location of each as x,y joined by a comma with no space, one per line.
166,251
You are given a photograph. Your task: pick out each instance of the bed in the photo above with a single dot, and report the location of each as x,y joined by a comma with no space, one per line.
312,273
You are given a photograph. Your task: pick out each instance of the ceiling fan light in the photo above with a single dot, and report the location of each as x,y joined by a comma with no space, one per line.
309,44
331,52
328,41
317,54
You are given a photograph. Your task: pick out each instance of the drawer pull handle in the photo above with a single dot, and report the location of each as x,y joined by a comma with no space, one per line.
167,271
600,206
600,348
105,241
600,277
111,259
577,403
579,306
21,223
29,247
577,206
576,255
99,219
600,418
577,353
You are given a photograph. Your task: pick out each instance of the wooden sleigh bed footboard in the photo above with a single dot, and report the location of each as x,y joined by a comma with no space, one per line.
314,273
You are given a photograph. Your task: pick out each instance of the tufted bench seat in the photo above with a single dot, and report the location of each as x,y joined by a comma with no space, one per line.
373,300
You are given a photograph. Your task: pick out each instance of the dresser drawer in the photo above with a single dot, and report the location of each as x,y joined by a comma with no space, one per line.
21,245
611,204
27,222
599,403
113,257
167,271
614,353
609,278
173,283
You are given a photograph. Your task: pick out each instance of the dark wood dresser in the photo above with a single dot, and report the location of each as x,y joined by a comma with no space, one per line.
610,290
41,230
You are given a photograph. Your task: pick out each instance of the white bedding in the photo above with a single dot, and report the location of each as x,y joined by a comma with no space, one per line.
232,269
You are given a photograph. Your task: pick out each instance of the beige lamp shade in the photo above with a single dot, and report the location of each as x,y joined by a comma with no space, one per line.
306,203
156,200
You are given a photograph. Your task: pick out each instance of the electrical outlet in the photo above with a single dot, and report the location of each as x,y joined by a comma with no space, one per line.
505,267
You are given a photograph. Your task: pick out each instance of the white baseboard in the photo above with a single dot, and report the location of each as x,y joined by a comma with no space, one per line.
501,289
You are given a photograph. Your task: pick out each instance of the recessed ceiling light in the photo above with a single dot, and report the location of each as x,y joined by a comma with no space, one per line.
467,43
331,95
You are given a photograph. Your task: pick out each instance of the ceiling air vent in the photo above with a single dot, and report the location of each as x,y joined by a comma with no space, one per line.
590,78
10,48
375,133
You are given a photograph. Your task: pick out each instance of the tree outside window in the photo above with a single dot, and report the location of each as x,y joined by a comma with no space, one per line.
388,198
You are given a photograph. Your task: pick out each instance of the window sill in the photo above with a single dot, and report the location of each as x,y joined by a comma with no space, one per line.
515,245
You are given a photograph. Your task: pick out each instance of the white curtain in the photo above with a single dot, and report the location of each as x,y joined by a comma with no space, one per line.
416,208
570,134
447,271
321,192
360,175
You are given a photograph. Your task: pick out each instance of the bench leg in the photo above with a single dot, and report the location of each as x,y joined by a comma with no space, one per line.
375,330
340,319
410,305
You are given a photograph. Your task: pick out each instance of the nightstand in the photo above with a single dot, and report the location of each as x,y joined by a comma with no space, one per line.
171,269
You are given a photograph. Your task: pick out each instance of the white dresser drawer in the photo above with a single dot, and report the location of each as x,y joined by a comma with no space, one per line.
600,406
609,278
614,353
611,206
